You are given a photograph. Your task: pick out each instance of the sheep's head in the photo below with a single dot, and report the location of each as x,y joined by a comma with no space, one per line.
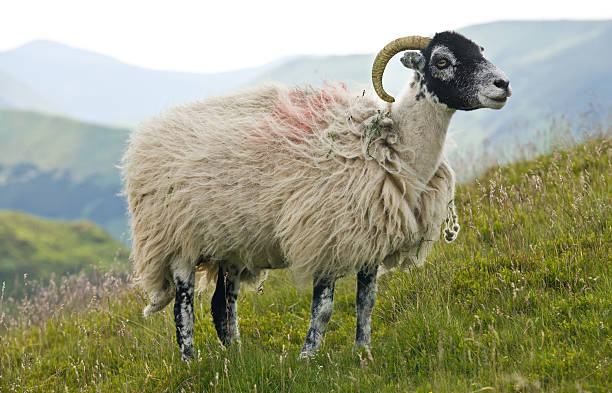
450,69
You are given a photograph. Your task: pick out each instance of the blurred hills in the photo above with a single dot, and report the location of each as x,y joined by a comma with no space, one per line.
554,66
39,248
61,168
15,94
96,88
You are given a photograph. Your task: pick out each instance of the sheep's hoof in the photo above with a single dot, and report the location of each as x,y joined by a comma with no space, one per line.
363,352
227,342
234,343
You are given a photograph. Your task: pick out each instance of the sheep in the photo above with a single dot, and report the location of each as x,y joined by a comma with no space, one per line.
322,181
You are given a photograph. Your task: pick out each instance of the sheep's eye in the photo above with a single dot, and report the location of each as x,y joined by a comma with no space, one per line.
442,63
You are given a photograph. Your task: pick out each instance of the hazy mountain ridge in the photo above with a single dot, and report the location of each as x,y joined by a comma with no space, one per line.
54,143
547,62
16,94
53,194
100,89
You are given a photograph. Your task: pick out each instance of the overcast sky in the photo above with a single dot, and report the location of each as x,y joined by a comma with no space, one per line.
210,36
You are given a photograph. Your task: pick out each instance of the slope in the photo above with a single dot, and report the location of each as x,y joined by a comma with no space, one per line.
521,302
60,168
39,248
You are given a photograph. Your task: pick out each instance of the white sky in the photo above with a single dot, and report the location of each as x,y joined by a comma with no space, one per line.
210,36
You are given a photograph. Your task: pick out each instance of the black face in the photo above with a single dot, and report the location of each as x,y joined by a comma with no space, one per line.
453,71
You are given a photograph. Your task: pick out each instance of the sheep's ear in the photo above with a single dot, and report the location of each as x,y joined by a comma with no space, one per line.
413,60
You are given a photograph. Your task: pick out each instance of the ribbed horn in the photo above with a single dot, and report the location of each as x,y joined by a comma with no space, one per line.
413,42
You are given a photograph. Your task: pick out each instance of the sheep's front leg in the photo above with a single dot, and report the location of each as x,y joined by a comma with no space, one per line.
223,306
321,312
366,297
183,311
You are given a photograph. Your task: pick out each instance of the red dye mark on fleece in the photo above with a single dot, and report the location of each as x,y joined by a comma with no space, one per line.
302,110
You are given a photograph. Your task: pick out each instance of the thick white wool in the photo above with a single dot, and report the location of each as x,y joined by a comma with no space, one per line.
278,177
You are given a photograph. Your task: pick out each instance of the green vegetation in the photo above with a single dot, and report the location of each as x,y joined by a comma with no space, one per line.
41,248
59,144
522,302
72,163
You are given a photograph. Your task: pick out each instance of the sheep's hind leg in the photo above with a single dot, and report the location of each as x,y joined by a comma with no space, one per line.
224,306
321,311
183,311
366,297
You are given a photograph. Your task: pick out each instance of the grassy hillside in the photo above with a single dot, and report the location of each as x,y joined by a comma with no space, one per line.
58,144
520,302
39,248
60,168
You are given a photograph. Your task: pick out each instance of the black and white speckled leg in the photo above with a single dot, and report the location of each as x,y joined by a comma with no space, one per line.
321,311
223,307
366,297
183,311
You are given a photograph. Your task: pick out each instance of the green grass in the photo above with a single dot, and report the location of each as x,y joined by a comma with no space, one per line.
40,248
54,143
521,302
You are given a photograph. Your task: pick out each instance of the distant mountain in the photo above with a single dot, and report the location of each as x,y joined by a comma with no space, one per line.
16,94
546,61
4,104
39,247
60,168
97,88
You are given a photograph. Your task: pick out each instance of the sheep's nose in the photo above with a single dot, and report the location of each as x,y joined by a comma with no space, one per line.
502,83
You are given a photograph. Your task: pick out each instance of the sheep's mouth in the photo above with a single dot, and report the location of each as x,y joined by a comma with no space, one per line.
492,102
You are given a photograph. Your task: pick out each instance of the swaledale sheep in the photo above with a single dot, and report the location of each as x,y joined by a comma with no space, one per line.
322,181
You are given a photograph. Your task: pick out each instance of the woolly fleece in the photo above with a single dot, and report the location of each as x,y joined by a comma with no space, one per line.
309,179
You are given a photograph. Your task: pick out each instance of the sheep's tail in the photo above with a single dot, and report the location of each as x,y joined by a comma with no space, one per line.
152,275
206,274
160,299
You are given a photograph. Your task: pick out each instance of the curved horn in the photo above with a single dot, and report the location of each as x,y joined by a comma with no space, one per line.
391,49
